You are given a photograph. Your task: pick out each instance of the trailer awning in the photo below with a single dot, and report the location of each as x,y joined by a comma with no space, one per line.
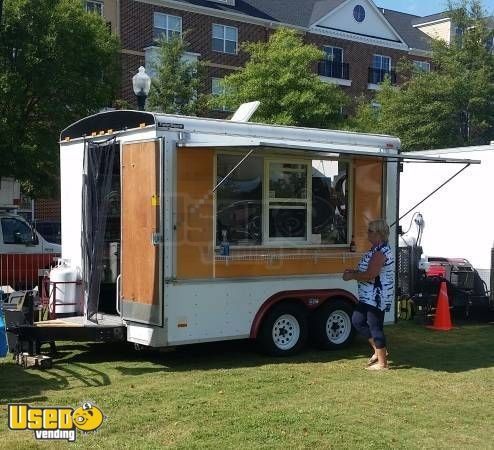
327,149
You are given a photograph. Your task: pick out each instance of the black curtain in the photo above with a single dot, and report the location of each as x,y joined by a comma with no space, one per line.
99,159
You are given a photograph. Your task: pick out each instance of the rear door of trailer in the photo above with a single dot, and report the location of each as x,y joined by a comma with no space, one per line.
141,288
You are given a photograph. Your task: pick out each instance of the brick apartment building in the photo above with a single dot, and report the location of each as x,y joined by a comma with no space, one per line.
363,42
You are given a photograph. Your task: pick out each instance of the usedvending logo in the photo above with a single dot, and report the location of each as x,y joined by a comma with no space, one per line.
55,423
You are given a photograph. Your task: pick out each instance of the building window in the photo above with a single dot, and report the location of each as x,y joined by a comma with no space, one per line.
94,7
225,39
151,60
422,66
380,69
381,62
334,54
166,26
333,65
271,201
217,88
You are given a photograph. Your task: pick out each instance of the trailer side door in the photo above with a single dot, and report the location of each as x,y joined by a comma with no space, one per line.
140,294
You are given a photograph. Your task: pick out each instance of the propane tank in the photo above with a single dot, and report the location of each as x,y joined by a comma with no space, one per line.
64,289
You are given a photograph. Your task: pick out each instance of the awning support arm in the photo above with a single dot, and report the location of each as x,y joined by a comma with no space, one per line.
231,171
432,193
201,201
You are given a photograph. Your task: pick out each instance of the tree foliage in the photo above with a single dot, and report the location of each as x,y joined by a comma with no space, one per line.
280,75
58,63
453,105
175,88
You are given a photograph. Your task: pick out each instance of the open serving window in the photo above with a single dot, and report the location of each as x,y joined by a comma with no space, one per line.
276,199
269,200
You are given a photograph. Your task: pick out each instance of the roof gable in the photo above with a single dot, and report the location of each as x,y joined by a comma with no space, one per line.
334,18
372,23
418,21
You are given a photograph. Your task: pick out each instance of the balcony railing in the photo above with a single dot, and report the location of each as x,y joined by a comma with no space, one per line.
377,76
333,69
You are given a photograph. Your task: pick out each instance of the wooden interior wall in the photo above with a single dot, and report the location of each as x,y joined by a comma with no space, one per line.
367,204
140,164
195,246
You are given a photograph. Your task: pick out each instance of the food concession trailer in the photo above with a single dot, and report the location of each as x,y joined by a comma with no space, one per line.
179,230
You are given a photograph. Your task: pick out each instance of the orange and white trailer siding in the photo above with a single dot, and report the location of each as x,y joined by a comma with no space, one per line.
178,289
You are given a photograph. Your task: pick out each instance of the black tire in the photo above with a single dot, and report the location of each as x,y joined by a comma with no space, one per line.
284,330
331,325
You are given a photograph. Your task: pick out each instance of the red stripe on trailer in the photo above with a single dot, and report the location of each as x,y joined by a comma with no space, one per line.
307,297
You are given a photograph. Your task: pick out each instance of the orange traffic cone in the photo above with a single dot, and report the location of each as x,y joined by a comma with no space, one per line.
442,319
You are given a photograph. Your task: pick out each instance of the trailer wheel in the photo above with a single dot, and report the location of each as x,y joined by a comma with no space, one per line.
331,325
284,330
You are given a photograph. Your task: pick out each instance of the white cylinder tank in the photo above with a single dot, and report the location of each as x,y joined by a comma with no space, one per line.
64,290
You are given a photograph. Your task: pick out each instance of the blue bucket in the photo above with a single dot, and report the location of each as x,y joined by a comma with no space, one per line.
4,347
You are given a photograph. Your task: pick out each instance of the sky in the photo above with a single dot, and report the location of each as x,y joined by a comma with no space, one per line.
424,7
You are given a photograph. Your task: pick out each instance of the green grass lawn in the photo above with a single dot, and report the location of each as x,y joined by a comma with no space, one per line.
439,394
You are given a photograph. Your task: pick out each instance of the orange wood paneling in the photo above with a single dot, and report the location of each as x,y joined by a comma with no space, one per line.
301,265
140,183
195,246
367,203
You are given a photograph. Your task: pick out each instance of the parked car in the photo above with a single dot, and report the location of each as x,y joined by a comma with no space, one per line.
50,230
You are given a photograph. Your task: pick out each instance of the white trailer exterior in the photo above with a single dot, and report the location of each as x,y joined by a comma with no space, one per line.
281,279
459,221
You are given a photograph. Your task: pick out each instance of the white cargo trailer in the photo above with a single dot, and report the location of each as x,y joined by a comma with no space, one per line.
459,221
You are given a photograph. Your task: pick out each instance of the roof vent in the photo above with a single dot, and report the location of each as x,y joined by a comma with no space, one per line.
245,111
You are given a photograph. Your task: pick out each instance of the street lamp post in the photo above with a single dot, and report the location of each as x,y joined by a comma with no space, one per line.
141,84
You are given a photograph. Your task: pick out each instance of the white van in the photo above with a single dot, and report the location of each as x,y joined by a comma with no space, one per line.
23,251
